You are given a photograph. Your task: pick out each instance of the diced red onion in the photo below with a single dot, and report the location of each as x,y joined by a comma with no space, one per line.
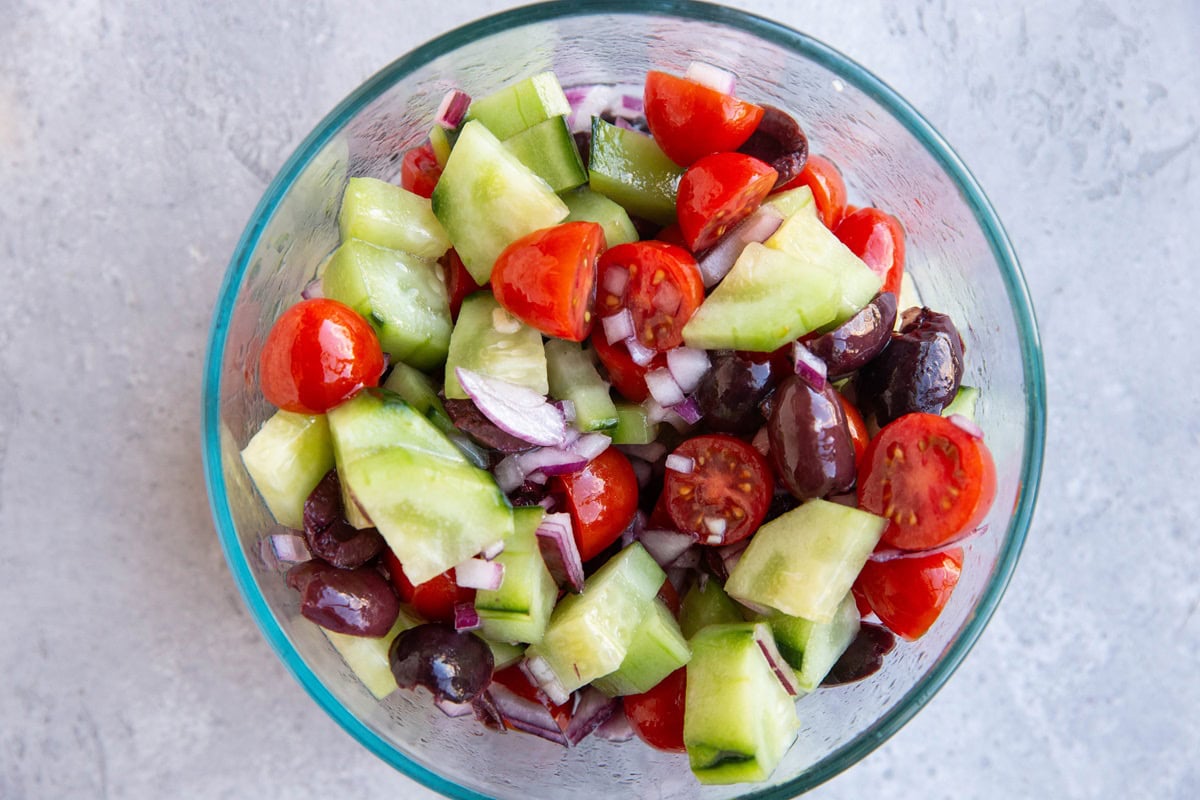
651,452
688,559
494,549
680,464
757,608
688,367
508,474
575,94
809,367
632,102
713,77
290,548
616,728
556,540
547,503
667,297
452,709
466,618
538,477
539,671
550,461
503,322
666,546
621,122
762,441
716,527
688,411
476,573
679,577
640,354
618,327
312,290
452,109
967,425
642,470
593,710
779,665
633,531
663,387
517,410
720,258
526,715
591,445
731,554
614,282
567,407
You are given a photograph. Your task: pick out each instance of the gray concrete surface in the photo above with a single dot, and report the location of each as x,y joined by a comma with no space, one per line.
133,146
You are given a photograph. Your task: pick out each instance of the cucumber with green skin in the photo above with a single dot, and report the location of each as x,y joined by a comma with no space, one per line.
572,376
549,149
389,216
511,351
520,106
812,648
589,206
633,425
658,648
286,460
630,169
706,606
519,610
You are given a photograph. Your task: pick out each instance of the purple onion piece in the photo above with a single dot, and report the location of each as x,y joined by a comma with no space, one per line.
526,715
689,411
809,367
453,109
666,546
779,665
516,410
466,618
593,710
616,728
478,573
556,541
289,548
452,709
312,290
720,258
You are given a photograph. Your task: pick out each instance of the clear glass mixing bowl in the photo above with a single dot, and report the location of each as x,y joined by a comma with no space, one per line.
958,256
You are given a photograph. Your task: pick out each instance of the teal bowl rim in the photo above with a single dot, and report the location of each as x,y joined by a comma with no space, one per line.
848,71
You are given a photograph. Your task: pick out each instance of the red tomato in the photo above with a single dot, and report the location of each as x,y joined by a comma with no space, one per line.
908,594
718,192
623,372
930,478
727,492
459,282
420,170
671,235
602,499
689,120
828,188
434,599
317,354
548,278
878,239
661,286
860,599
858,428
513,679
657,715
670,597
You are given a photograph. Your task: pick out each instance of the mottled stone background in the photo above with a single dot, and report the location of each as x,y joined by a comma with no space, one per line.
134,144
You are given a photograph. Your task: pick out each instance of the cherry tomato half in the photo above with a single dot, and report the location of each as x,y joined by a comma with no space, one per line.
623,372
689,120
858,429
513,679
718,192
828,188
602,499
878,239
420,170
908,594
656,716
659,283
459,282
434,599
671,235
726,494
930,478
317,354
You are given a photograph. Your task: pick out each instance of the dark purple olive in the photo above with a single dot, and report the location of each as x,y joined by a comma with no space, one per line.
863,657
780,141
919,370
454,666
810,440
358,602
859,339
467,417
583,143
329,536
731,390
781,503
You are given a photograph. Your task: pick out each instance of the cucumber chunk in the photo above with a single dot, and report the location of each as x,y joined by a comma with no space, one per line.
515,354
588,206
367,656
504,654
629,168
514,108
549,149
486,199
768,299
286,460
738,720
658,649
399,294
633,425
519,610
416,389
440,144
376,420
589,633
812,648
964,403
706,606
572,376
389,216
804,562
789,202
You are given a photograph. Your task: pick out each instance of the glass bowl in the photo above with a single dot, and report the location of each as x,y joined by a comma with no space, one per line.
958,256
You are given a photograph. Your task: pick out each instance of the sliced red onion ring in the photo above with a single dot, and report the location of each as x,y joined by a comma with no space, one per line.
779,665
476,573
466,618
556,541
567,407
619,326
517,410
688,367
541,674
967,424
290,548
811,369
538,477
526,715
651,452
312,290
452,709
666,546
663,387
680,464
716,527
492,550
452,109
713,77
592,711
720,258
688,411
616,728
591,445
640,354
550,461
625,124
762,441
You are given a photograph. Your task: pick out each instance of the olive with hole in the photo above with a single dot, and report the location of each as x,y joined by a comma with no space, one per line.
919,370
859,339
810,441
454,666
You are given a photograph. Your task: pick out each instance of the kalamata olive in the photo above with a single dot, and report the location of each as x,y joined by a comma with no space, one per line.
863,657
329,536
731,390
454,666
919,370
471,421
358,602
859,339
810,440
780,141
